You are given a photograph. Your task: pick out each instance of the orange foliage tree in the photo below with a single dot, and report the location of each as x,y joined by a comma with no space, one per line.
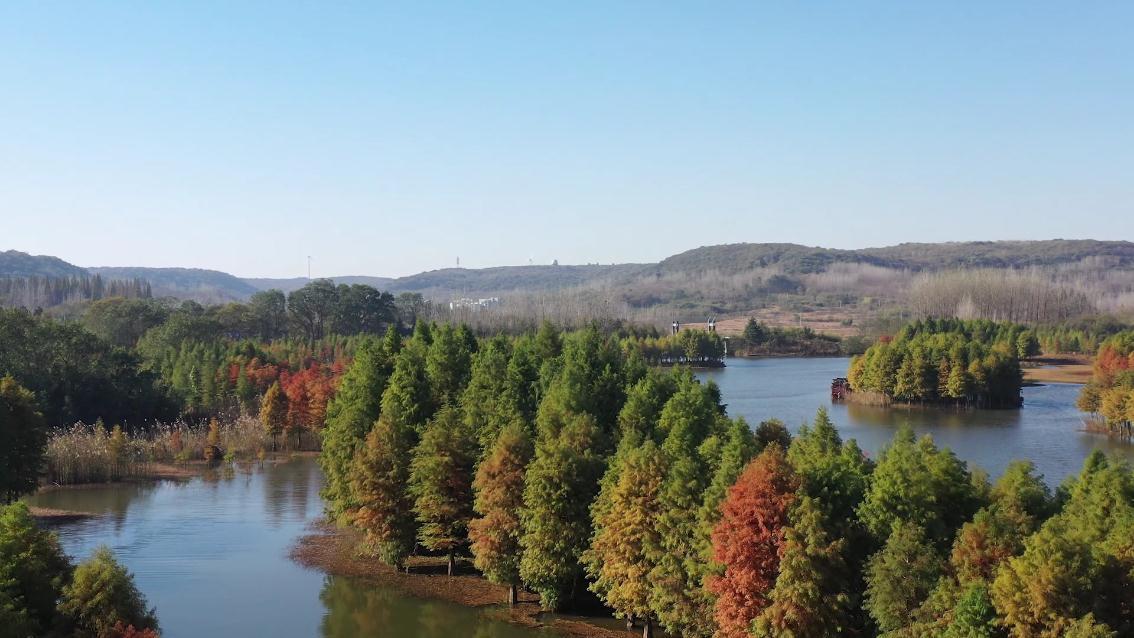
749,539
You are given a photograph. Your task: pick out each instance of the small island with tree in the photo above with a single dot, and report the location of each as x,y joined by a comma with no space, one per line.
964,363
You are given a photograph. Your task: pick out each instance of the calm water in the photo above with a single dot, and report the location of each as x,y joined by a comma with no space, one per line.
211,553
1048,429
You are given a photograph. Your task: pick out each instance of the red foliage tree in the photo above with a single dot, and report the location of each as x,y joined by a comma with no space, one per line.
749,538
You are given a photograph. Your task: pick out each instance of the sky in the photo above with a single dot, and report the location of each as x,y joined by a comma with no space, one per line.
387,139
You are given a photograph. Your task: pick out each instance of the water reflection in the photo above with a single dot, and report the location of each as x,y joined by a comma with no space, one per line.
1047,430
354,609
212,555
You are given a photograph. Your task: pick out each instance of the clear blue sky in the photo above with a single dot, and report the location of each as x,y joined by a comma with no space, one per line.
390,139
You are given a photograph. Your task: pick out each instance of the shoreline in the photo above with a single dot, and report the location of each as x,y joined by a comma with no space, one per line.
1068,368
331,550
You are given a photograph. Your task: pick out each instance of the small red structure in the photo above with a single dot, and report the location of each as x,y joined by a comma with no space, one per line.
840,388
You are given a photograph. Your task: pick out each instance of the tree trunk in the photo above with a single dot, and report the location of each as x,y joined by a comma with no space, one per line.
630,622
452,563
647,628
512,594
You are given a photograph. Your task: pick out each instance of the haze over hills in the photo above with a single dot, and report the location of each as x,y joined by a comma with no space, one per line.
723,278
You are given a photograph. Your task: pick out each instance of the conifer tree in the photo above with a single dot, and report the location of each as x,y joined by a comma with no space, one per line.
901,576
810,598
273,411
916,482
441,474
33,572
407,398
558,488
350,415
101,595
499,489
625,531
748,540
739,447
677,597
23,435
447,365
379,484
523,378
772,431
486,403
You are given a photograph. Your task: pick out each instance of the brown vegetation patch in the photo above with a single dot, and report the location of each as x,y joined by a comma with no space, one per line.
829,322
333,550
1068,368
59,516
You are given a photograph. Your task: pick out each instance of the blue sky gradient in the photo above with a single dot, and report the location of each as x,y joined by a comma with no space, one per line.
386,139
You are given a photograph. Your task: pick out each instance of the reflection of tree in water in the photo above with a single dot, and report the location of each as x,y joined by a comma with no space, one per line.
288,488
930,417
355,608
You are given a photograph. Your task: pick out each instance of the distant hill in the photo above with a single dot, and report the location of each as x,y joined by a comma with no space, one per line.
717,279
797,259
14,263
206,286
295,283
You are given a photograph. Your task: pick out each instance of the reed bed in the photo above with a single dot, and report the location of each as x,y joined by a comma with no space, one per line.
94,454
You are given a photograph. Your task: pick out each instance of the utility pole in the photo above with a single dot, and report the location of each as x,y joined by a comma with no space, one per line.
309,267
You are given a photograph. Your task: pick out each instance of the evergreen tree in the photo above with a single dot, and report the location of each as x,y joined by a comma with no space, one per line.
558,488
23,435
738,449
1080,562
915,482
407,398
810,598
350,415
749,539
379,484
447,365
625,531
487,405
499,489
772,431
523,378
101,595
901,576
273,411
677,598
33,572
441,474
974,616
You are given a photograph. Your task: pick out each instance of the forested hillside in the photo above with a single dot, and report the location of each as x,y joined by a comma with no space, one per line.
1028,281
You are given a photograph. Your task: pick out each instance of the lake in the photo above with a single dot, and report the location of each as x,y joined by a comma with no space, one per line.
212,553
1048,429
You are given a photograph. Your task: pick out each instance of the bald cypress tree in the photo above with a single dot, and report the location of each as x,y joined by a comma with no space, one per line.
558,489
486,403
625,532
499,488
350,415
273,411
748,541
379,484
810,598
441,483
